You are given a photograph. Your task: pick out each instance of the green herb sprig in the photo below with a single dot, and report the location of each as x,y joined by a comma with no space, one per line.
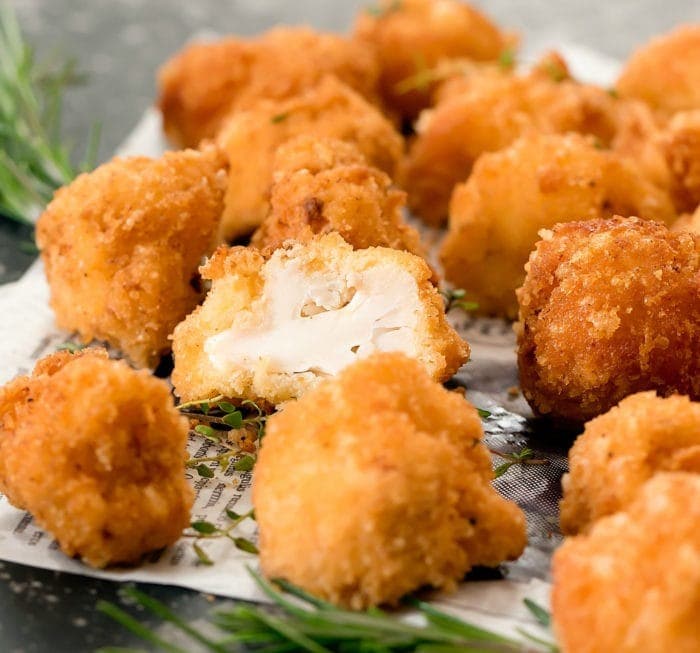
298,621
525,456
207,530
33,160
455,298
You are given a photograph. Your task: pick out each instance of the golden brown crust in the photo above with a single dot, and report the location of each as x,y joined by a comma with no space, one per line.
203,83
323,185
391,483
423,33
633,583
237,297
620,450
121,246
609,308
95,451
330,109
681,147
665,72
537,182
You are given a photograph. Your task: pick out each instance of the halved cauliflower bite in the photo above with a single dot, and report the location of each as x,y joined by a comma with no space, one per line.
270,330
390,490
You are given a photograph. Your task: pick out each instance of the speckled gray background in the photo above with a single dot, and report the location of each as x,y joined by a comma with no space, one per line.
120,43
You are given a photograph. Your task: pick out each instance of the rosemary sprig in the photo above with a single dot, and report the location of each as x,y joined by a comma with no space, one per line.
33,160
525,456
300,622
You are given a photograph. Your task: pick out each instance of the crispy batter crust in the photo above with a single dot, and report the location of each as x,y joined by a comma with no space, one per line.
95,451
681,147
202,84
323,185
390,481
424,32
237,288
330,109
622,449
121,246
537,182
665,72
609,308
633,583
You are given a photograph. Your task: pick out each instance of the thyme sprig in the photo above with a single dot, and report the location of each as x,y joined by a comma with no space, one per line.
455,298
202,530
298,621
525,456
33,160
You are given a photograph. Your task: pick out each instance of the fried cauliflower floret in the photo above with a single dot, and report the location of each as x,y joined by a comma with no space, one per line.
121,246
273,329
537,182
609,308
681,146
491,113
424,32
328,110
96,452
202,84
386,471
633,583
665,73
323,185
620,450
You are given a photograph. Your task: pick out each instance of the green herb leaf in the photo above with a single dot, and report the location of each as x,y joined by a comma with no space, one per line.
71,347
202,555
204,527
206,431
244,464
484,414
245,545
233,516
234,420
506,59
538,612
226,406
204,471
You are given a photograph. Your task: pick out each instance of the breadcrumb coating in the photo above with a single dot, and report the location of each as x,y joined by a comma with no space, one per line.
535,183
96,452
329,110
121,246
633,583
609,308
323,185
203,83
390,481
271,330
681,146
489,113
620,450
665,73
413,35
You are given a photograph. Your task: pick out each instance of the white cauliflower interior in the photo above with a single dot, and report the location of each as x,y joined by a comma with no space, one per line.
322,321
272,329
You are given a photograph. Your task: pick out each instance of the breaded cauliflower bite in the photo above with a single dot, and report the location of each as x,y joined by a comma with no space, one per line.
331,110
681,147
376,483
323,185
415,34
633,583
620,450
609,308
488,115
273,329
96,452
202,84
665,73
122,244
537,182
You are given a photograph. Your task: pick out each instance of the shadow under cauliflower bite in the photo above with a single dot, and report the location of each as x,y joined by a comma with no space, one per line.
250,138
633,583
413,34
620,450
323,185
121,247
96,452
271,329
204,83
538,181
391,488
609,308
